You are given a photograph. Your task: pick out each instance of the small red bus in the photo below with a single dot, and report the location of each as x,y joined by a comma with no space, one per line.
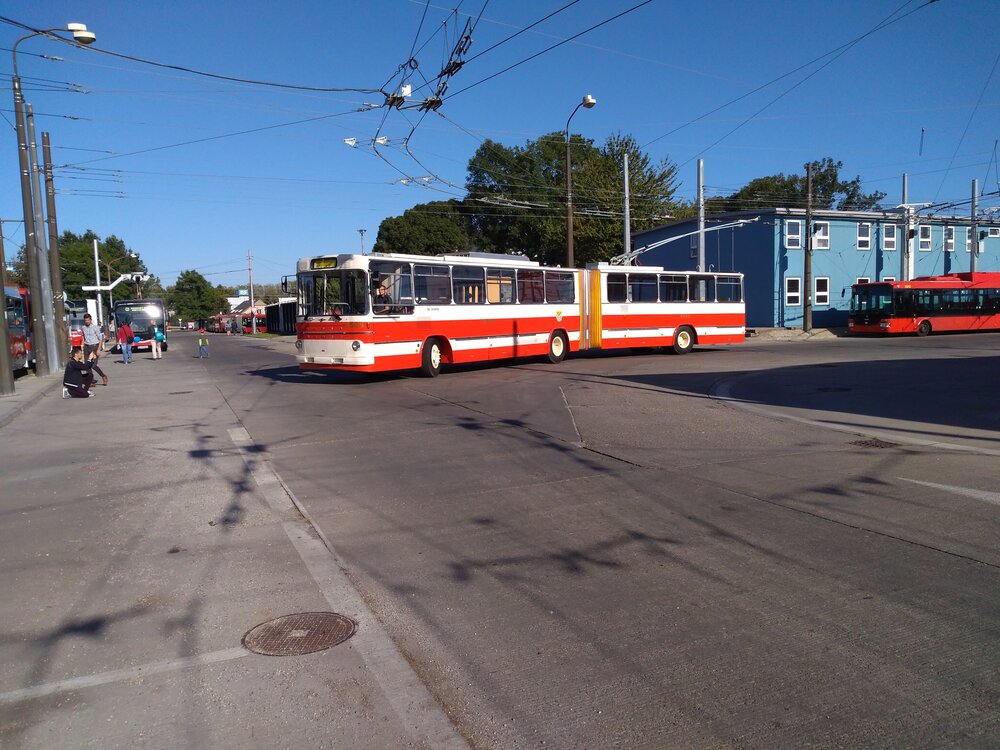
955,302
381,312
17,312
248,323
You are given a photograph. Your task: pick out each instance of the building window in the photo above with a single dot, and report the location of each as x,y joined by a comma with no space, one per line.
821,291
821,235
968,238
863,280
949,239
994,231
888,278
889,237
924,235
793,234
694,246
864,236
793,291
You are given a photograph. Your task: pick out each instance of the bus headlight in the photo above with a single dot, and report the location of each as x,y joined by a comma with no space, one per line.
355,345
298,344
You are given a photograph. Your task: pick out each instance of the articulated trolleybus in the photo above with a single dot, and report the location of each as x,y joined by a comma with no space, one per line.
956,302
381,312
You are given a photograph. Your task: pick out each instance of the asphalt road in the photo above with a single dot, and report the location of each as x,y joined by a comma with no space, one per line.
776,545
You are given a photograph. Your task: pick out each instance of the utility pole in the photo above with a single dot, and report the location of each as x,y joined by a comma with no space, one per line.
701,215
39,346
807,309
974,238
628,222
97,277
55,262
904,250
6,368
253,311
41,247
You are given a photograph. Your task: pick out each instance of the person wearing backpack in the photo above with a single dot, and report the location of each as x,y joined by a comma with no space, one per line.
125,336
157,339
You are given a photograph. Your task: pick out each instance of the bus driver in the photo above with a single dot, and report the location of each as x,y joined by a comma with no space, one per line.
383,301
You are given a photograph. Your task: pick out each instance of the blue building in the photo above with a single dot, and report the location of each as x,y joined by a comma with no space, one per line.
848,247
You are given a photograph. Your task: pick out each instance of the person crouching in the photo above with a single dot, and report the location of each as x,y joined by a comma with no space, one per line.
79,376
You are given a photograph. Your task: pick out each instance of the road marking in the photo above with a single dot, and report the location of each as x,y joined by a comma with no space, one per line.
122,675
418,712
988,497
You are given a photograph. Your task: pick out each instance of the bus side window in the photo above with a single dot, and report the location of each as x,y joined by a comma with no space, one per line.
617,287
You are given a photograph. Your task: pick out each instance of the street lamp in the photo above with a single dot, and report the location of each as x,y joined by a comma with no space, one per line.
588,102
109,264
38,267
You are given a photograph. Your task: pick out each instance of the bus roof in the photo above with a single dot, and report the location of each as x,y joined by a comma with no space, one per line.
966,280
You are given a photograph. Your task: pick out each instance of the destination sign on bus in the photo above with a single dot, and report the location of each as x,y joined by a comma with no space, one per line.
324,263
145,309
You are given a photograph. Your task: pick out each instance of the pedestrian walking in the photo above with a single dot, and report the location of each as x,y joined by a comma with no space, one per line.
78,378
202,344
93,337
125,336
157,339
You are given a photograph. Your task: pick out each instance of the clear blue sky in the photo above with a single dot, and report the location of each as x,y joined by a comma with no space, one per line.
297,190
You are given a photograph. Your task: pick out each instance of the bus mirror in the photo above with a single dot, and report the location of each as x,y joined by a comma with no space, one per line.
284,284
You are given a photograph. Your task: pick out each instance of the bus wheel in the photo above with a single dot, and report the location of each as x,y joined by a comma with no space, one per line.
431,365
683,340
924,329
557,347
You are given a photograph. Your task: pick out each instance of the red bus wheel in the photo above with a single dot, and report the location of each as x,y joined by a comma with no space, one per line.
924,329
683,340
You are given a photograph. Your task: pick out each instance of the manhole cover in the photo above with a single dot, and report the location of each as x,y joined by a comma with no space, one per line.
301,633
874,443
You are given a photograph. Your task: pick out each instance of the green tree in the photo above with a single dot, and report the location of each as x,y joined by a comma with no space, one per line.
194,298
789,191
516,200
425,229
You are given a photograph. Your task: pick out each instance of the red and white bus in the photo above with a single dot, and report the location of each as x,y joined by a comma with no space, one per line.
478,307
956,302
248,326
17,311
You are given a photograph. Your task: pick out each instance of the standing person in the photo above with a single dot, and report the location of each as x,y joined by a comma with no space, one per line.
78,378
202,344
155,340
125,336
93,337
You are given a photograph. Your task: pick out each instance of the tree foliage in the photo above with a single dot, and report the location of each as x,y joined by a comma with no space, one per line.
425,229
789,191
194,298
517,196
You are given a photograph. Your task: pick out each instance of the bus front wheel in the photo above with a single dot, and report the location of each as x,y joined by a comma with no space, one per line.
683,340
924,329
431,364
557,347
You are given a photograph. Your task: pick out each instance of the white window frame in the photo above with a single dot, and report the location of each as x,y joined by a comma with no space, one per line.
949,239
821,241
994,232
863,280
694,246
821,299
888,278
968,238
865,243
889,243
921,240
797,244
790,294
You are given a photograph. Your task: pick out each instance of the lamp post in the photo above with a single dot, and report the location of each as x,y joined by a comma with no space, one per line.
38,270
109,264
588,102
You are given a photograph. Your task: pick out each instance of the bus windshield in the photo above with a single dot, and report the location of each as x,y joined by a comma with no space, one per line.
326,293
141,315
871,298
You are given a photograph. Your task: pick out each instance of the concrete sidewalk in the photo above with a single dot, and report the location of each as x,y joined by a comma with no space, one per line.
142,534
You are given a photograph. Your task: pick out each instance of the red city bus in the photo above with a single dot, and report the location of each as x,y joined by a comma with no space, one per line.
956,302
248,323
478,307
17,311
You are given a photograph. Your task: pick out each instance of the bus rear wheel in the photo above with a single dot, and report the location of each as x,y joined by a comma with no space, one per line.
683,340
924,329
431,364
557,347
